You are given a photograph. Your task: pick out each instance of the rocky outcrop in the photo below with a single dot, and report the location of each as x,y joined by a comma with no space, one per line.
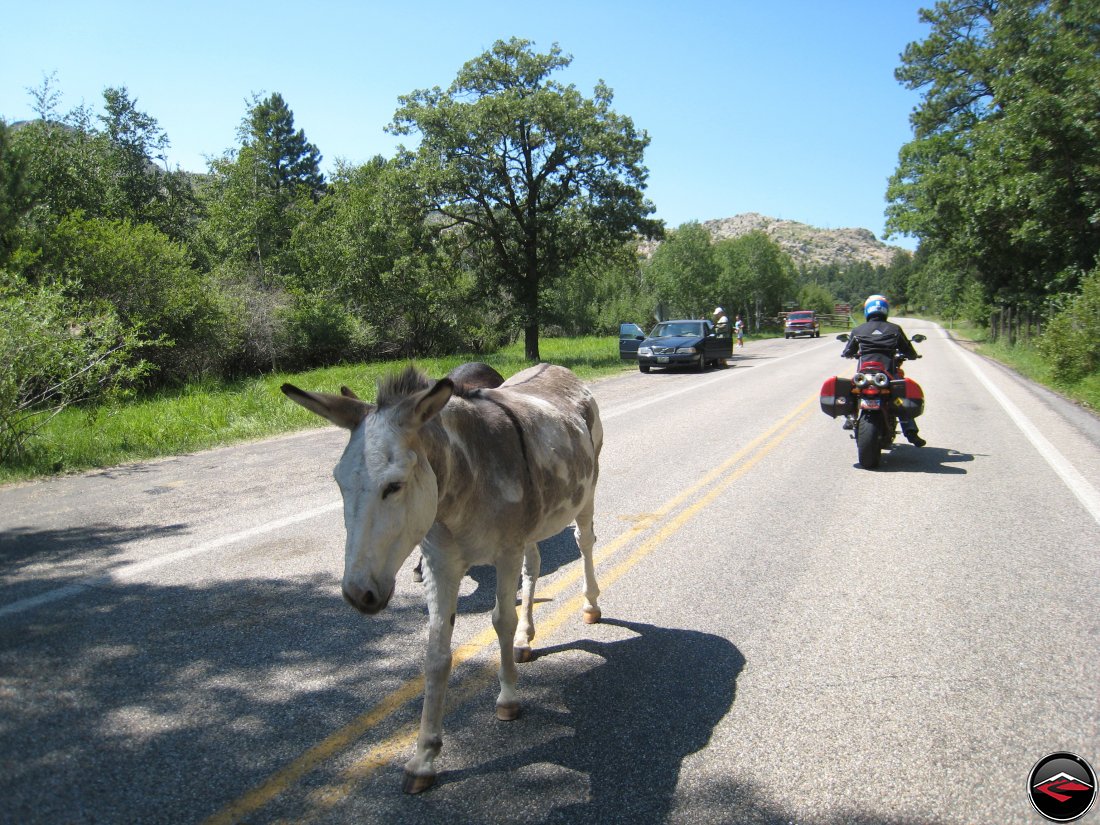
807,245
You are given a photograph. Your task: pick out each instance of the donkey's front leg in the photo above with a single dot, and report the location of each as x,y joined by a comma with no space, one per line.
532,561
586,540
505,621
442,606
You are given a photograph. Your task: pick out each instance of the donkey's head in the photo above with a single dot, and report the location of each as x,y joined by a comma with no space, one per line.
389,488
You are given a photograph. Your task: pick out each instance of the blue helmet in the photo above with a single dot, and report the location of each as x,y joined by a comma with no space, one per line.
876,305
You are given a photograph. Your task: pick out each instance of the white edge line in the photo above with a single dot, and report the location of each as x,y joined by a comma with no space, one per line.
1077,483
129,571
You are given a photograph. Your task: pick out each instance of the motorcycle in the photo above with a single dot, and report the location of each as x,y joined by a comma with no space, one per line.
875,398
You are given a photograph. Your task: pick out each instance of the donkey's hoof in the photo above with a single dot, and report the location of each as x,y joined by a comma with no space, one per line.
521,654
592,615
417,784
508,712
418,576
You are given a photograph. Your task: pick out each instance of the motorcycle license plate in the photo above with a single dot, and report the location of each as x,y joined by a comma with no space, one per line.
662,359
871,403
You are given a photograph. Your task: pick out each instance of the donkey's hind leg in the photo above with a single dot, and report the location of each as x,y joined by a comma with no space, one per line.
525,631
586,540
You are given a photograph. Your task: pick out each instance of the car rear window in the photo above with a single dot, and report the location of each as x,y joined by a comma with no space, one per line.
666,330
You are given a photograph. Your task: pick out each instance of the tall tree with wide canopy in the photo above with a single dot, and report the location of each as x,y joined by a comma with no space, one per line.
1003,175
536,174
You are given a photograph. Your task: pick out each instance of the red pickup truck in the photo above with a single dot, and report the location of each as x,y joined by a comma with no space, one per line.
802,322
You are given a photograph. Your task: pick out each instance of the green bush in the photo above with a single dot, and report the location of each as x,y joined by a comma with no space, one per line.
149,281
315,331
55,352
1072,338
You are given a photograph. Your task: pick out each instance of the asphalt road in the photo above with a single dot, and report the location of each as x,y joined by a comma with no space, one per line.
787,637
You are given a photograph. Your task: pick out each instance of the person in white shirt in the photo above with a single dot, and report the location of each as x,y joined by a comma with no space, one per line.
721,322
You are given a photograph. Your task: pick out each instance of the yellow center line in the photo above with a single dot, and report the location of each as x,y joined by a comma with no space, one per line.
721,477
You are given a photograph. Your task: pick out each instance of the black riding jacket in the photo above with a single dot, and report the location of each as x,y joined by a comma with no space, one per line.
879,337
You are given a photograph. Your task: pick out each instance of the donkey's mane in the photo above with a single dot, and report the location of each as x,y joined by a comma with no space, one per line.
396,386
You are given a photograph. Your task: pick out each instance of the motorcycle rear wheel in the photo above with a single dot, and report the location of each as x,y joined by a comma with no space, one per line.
869,440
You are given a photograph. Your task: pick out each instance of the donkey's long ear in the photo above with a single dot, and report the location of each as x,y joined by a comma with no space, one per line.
340,410
427,404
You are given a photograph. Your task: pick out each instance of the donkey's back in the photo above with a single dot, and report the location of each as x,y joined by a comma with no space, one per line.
566,394
560,436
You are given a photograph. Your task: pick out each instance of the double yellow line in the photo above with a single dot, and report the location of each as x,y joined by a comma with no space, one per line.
715,482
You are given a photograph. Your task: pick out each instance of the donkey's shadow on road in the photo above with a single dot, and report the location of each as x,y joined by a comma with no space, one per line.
556,551
653,700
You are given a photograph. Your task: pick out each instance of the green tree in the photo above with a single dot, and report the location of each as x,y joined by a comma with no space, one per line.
938,286
1071,342
370,244
1003,174
140,188
287,163
817,298
15,193
757,274
535,174
138,144
109,170
896,277
261,191
683,274
64,157
600,293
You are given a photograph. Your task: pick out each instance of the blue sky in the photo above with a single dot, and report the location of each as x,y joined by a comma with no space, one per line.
788,108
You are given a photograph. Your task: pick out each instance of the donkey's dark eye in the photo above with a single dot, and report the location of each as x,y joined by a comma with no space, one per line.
391,488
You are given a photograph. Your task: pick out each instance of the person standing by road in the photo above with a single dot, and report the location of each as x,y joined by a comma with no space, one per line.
739,328
721,322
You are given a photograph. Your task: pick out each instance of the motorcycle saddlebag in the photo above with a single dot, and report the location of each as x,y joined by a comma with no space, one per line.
908,397
836,396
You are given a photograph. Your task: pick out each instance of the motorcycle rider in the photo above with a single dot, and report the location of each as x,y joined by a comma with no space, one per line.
884,338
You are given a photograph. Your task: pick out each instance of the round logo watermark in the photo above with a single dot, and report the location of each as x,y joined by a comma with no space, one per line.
1062,786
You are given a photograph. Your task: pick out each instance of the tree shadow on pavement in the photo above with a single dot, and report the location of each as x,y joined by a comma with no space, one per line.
25,554
146,703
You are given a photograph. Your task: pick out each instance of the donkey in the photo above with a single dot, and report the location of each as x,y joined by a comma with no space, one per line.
475,478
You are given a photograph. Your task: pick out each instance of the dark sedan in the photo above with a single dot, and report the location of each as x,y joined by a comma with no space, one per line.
684,344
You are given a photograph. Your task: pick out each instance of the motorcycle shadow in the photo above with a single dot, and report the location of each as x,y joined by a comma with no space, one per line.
904,458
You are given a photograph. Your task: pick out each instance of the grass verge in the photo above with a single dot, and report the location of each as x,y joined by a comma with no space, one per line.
215,413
